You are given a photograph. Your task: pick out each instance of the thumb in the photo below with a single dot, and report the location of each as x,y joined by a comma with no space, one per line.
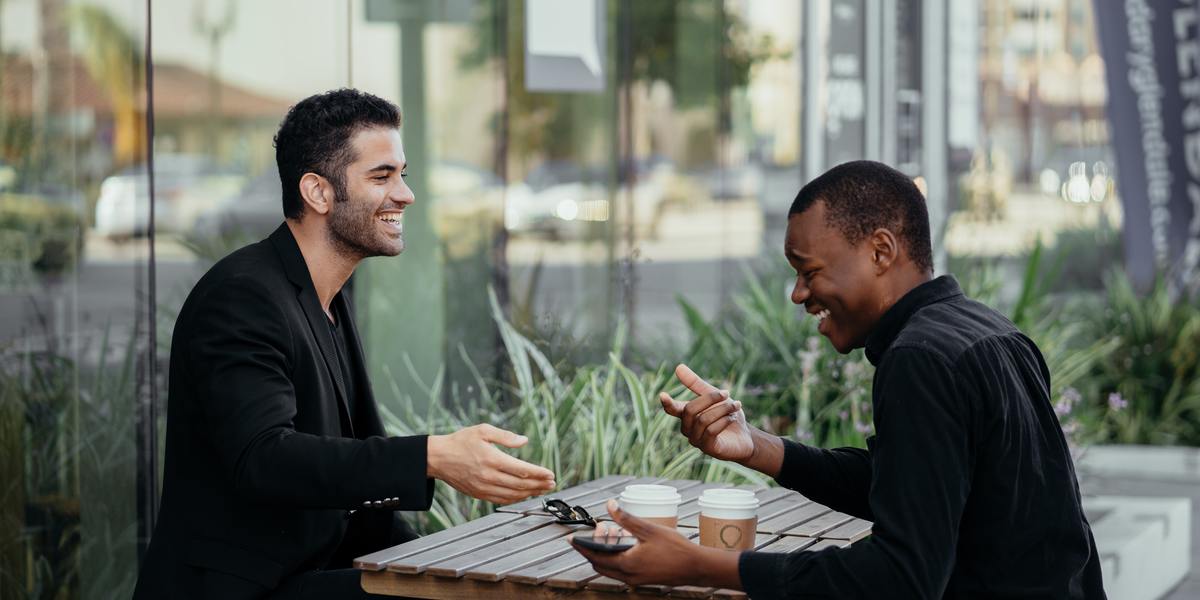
671,406
636,527
504,437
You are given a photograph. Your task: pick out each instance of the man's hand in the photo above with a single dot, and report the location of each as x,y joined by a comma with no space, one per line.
712,421
662,556
467,460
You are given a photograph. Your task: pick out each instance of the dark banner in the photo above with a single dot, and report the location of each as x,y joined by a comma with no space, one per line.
1151,53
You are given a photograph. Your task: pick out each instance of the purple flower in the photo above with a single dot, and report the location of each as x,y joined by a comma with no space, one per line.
843,415
863,428
1062,408
1067,401
1116,402
1071,395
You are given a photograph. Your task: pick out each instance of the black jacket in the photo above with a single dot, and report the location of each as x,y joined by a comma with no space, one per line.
259,477
968,480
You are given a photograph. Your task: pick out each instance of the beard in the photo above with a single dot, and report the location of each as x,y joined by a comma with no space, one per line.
354,229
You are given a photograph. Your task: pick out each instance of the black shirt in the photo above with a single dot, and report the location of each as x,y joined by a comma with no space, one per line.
341,345
969,481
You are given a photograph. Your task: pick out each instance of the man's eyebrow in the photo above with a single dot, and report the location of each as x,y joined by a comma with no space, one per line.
798,257
386,167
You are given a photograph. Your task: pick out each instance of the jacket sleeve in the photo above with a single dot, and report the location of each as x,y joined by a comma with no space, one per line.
921,477
839,478
239,359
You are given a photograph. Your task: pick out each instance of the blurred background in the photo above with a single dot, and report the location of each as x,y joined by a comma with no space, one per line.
602,189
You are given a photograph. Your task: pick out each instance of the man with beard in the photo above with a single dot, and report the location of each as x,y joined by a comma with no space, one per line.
968,480
278,472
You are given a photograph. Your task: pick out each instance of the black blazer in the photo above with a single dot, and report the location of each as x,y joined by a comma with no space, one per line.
259,479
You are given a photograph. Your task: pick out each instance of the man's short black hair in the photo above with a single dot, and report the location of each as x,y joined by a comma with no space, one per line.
862,196
315,136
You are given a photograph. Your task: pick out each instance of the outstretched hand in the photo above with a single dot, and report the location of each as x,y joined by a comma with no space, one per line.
471,464
712,421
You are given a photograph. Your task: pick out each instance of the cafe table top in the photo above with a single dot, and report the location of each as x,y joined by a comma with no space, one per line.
520,552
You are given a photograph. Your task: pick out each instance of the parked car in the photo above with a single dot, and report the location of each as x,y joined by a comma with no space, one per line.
184,186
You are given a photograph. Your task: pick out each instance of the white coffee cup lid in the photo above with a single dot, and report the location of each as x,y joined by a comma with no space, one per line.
646,493
728,498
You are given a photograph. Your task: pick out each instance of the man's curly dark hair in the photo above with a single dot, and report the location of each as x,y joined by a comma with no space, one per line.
315,137
862,196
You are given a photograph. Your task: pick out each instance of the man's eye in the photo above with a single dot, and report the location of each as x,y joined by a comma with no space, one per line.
404,174
380,178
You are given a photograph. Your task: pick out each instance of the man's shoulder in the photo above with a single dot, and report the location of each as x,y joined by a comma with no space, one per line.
255,264
953,327
250,272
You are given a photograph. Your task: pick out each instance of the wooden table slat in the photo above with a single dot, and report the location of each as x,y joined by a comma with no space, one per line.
575,577
500,568
459,565
816,527
377,561
417,563
537,574
780,523
854,530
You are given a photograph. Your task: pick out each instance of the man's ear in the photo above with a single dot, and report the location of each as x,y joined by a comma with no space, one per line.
885,249
316,192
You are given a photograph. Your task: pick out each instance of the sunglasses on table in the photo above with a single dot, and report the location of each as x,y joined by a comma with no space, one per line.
565,514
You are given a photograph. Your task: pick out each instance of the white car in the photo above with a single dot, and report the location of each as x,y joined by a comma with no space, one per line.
184,186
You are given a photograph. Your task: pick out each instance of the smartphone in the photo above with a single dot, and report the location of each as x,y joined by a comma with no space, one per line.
605,544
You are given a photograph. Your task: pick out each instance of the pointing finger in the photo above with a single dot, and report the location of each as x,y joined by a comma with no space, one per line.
692,381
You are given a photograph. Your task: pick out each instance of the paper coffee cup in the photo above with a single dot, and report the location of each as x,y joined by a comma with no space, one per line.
656,503
728,518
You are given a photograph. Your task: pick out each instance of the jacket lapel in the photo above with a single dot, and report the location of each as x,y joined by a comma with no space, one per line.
368,412
297,272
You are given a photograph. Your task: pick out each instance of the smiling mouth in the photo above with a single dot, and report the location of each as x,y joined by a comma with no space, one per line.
821,316
392,219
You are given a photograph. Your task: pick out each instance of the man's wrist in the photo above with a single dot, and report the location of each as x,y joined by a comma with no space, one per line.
433,456
719,568
767,456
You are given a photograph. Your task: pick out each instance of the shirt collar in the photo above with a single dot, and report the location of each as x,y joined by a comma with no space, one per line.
893,320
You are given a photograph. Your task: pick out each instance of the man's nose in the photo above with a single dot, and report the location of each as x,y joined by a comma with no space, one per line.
403,194
800,292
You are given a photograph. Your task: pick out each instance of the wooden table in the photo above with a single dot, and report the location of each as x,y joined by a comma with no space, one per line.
520,552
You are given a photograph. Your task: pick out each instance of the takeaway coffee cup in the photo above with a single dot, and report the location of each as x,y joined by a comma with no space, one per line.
655,503
728,518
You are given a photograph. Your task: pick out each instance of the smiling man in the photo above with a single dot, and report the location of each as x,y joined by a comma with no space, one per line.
278,471
968,481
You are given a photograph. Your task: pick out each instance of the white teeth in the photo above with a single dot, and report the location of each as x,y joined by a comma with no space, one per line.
389,218
821,316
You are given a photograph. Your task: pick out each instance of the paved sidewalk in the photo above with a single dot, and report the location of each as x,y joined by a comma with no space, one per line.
1150,472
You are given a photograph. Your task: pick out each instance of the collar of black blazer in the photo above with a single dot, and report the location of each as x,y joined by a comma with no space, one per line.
297,272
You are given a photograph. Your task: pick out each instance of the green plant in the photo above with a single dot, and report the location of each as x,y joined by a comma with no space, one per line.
43,236
1155,363
65,433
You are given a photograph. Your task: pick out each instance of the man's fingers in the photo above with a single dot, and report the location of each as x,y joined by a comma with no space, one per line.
715,429
670,405
718,412
505,438
636,527
519,468
518,484
697,407
692,381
